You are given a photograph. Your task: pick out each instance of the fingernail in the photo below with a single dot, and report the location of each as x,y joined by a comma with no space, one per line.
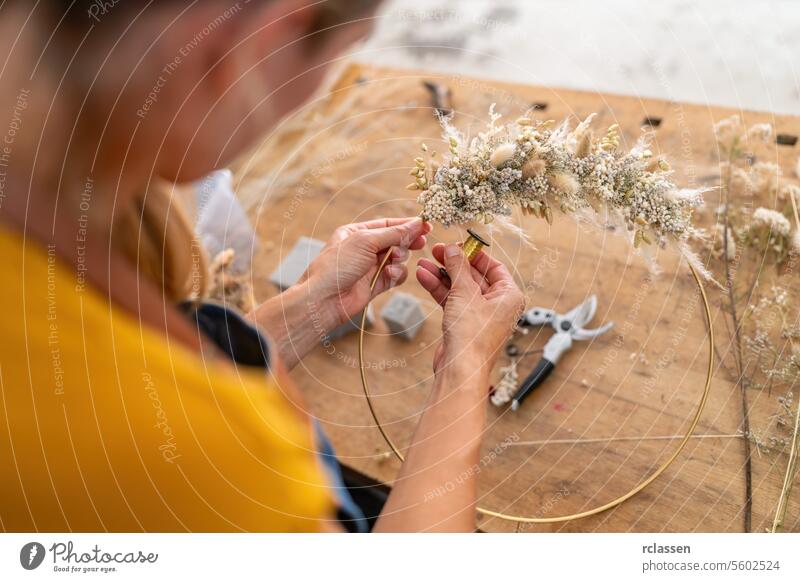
451,251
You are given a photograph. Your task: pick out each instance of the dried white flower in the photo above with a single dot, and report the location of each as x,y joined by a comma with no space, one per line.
741,182
764,177
508,384
760,132
789,191
773,220
728,129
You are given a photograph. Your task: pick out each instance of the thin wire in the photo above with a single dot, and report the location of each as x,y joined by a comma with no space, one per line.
572,516
626,439
783,500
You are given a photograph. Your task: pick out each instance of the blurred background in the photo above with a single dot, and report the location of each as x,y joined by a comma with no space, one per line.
736,53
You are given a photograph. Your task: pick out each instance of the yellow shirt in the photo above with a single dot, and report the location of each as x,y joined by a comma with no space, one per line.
105,426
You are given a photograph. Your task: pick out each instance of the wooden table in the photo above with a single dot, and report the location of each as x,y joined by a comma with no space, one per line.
611,412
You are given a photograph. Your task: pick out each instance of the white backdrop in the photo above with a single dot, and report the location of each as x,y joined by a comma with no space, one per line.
739,53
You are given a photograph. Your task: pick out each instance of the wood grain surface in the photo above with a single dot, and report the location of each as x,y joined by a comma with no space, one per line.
612,410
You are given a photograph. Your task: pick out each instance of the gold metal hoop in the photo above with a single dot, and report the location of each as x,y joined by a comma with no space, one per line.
572,516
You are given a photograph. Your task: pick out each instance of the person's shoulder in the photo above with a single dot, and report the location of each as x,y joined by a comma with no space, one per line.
190,442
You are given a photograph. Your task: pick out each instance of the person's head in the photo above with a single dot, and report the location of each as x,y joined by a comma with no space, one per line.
196,80
121,92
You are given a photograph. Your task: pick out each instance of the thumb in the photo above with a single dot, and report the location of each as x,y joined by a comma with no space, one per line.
457,267
398,235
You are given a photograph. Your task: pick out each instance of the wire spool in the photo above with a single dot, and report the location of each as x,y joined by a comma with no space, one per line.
573,516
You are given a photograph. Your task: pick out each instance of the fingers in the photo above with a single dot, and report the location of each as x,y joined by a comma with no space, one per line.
408,234
477,274
458,268
382,222
498,274
347,230
393,275
399,255
431,280
487,271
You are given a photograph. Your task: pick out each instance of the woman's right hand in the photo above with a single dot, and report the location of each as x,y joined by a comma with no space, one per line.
481,303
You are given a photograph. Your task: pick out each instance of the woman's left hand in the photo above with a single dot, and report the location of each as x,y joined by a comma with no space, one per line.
336,286
341,275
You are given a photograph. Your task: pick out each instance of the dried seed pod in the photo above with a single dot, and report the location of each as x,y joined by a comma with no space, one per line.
654,164
610,141
502,154
548,215
534,167
564,183
584,147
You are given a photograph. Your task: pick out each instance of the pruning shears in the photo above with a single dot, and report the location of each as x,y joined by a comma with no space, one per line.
568,327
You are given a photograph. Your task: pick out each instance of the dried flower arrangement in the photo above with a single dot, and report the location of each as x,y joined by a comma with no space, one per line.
227,286
755,253
537,166
507,385
772,351
773,346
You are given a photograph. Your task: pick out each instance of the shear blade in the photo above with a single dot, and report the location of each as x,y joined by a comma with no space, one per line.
583,313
